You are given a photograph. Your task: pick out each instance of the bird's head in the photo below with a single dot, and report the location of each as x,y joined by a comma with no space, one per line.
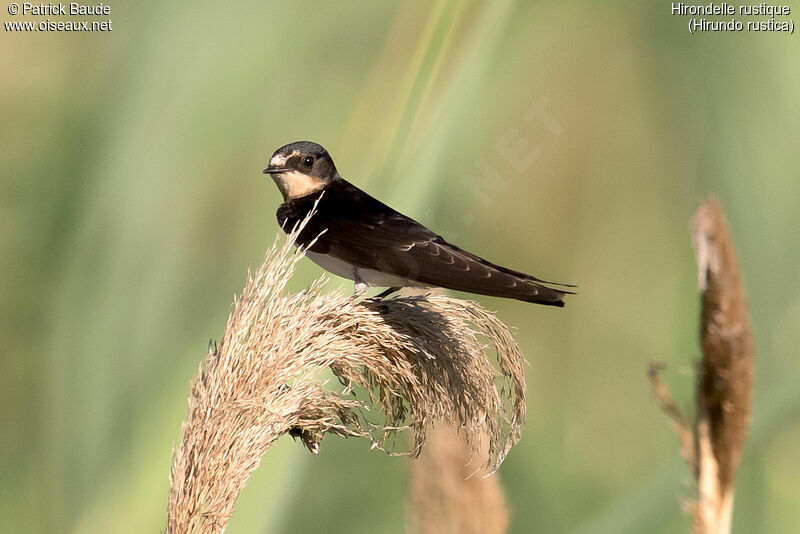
301,168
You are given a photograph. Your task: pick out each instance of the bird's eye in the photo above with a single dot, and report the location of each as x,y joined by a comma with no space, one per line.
308,161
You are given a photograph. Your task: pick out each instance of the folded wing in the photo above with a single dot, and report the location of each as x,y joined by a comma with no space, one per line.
354,227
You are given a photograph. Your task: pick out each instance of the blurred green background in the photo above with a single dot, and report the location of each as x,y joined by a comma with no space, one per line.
572,140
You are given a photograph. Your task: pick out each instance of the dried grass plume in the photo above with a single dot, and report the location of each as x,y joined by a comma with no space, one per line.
449,492
398,364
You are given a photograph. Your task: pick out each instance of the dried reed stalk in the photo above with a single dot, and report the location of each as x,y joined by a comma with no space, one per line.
714,446
409,360
450,493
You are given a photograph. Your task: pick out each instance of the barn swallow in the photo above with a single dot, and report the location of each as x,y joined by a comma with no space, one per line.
355,236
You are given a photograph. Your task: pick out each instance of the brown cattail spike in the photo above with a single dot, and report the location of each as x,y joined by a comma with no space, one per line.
713,446
725,381
726,370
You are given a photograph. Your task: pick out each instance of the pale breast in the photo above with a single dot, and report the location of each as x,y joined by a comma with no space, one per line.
370,277
332,265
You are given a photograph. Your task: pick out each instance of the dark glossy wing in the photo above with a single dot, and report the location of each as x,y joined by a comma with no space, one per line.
365,232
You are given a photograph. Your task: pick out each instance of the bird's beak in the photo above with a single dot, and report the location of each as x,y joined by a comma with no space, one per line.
275,170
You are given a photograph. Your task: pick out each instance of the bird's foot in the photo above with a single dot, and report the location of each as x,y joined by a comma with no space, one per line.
359,288
377,300
383,294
